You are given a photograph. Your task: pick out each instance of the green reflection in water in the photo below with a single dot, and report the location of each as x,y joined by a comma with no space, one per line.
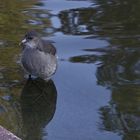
116,21
122,114
15,20
118,68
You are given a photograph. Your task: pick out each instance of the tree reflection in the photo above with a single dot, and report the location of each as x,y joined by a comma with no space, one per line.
77,21
122,114
120,73
120,70
117,22
114,20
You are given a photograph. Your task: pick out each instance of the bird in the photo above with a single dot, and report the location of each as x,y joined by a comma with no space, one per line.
38,56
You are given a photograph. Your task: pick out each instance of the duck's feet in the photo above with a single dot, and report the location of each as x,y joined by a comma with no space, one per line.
32,77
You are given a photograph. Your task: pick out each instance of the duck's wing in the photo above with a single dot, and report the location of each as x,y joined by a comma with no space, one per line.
47,47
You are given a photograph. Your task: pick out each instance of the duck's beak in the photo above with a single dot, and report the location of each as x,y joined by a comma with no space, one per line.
22,42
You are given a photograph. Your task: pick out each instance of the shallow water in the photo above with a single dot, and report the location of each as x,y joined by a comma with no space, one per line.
95,93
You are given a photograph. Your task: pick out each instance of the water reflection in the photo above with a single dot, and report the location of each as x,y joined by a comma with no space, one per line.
118,69
118,65
120,72
38,104
113,20
122,114
83,59
118,22
78,21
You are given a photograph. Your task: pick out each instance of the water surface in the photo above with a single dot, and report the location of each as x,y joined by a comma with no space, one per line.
95,92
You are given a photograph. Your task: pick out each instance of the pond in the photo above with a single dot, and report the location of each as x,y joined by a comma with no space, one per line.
95,93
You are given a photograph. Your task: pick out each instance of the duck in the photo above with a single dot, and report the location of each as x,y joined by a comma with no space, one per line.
38,56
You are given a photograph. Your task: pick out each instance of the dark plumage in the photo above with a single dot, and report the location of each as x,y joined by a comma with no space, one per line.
38,56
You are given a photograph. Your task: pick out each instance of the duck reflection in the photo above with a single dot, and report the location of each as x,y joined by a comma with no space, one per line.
38,104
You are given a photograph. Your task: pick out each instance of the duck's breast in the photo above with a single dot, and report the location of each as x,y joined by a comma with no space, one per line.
39,63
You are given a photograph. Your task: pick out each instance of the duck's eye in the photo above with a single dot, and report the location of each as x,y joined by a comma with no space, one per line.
30,38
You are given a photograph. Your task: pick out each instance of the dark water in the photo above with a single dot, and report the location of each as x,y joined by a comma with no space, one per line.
95,93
